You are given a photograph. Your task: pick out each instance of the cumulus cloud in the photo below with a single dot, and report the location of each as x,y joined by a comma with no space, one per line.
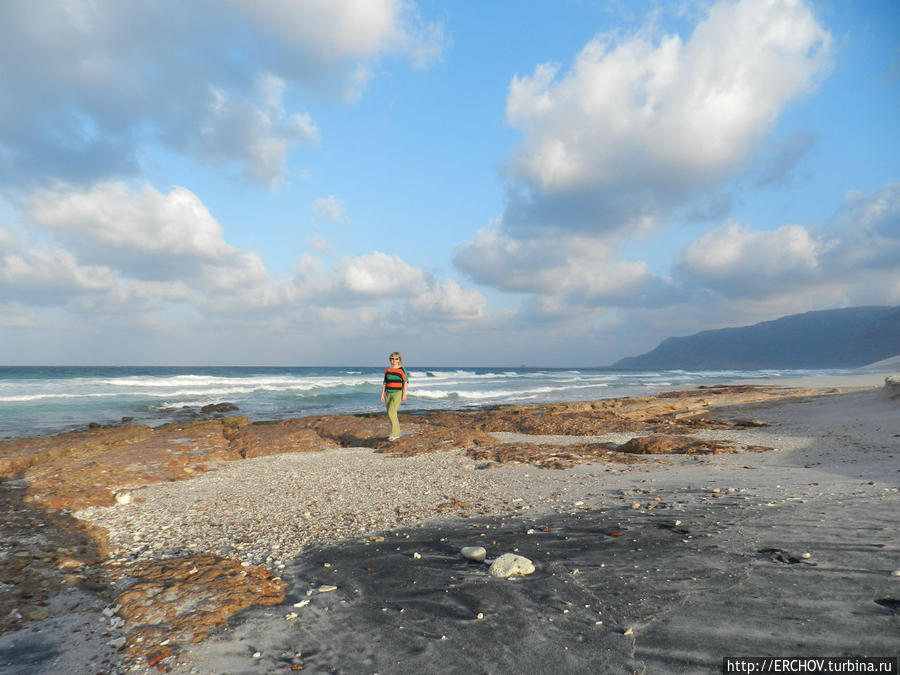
360,279
852,259
40,274
330,209
89,83
449,301
641,122
375,283
122,244
43,274
139,252
319,38
642,127
258,134
739,260
114,216
558,264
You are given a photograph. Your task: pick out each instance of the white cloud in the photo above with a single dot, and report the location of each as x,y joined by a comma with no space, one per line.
88,84
853,259
232,127
43,273
379,274
339,40
330,209
741,261
369,286
114,217
555,264
643,126
449,301
641,123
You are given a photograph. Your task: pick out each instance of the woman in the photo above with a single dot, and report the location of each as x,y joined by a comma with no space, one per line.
393,391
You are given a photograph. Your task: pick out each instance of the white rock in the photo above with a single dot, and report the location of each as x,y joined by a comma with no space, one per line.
510,564
123,497
326,588
118,643
474,553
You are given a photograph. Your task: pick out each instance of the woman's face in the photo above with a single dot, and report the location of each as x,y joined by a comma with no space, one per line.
395,360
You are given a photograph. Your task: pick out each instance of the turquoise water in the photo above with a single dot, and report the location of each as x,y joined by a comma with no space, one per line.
46,400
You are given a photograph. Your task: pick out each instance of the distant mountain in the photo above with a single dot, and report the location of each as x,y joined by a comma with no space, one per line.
837,338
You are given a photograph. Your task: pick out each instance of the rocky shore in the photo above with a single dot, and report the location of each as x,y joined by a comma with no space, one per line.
130,549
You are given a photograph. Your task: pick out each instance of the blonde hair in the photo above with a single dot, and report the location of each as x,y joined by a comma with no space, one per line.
398,355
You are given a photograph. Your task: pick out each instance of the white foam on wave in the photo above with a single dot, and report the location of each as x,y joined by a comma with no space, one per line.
25,398
262,382
498,393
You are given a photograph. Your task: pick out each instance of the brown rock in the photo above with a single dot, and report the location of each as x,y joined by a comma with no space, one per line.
183,599
258,440
682,445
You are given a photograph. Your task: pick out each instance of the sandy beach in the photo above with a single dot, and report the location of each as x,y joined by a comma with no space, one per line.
667,563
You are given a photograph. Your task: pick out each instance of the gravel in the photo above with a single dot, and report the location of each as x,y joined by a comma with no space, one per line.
266,510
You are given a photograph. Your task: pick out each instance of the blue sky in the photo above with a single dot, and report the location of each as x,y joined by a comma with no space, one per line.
316,182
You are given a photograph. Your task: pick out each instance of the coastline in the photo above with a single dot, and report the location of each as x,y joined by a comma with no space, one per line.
828,488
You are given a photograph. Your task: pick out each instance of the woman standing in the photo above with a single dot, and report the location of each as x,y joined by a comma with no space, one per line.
393,391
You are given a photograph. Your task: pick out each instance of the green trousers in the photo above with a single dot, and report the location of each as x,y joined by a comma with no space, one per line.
392,401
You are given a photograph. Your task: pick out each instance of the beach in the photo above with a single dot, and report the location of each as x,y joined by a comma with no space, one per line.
763,522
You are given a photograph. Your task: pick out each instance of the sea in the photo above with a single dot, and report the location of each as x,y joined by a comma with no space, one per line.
44,400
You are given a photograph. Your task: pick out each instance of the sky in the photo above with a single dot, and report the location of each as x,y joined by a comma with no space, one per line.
513,182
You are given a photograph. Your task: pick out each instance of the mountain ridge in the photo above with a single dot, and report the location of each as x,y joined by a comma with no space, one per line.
851,337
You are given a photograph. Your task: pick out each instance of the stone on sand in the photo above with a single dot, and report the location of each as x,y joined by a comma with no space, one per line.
474,553
510,565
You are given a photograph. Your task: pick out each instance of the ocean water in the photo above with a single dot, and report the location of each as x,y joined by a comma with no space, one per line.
48,400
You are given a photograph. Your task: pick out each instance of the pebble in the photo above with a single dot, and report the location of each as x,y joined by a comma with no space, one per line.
509,565
474,553
35,613
251,524
327,588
